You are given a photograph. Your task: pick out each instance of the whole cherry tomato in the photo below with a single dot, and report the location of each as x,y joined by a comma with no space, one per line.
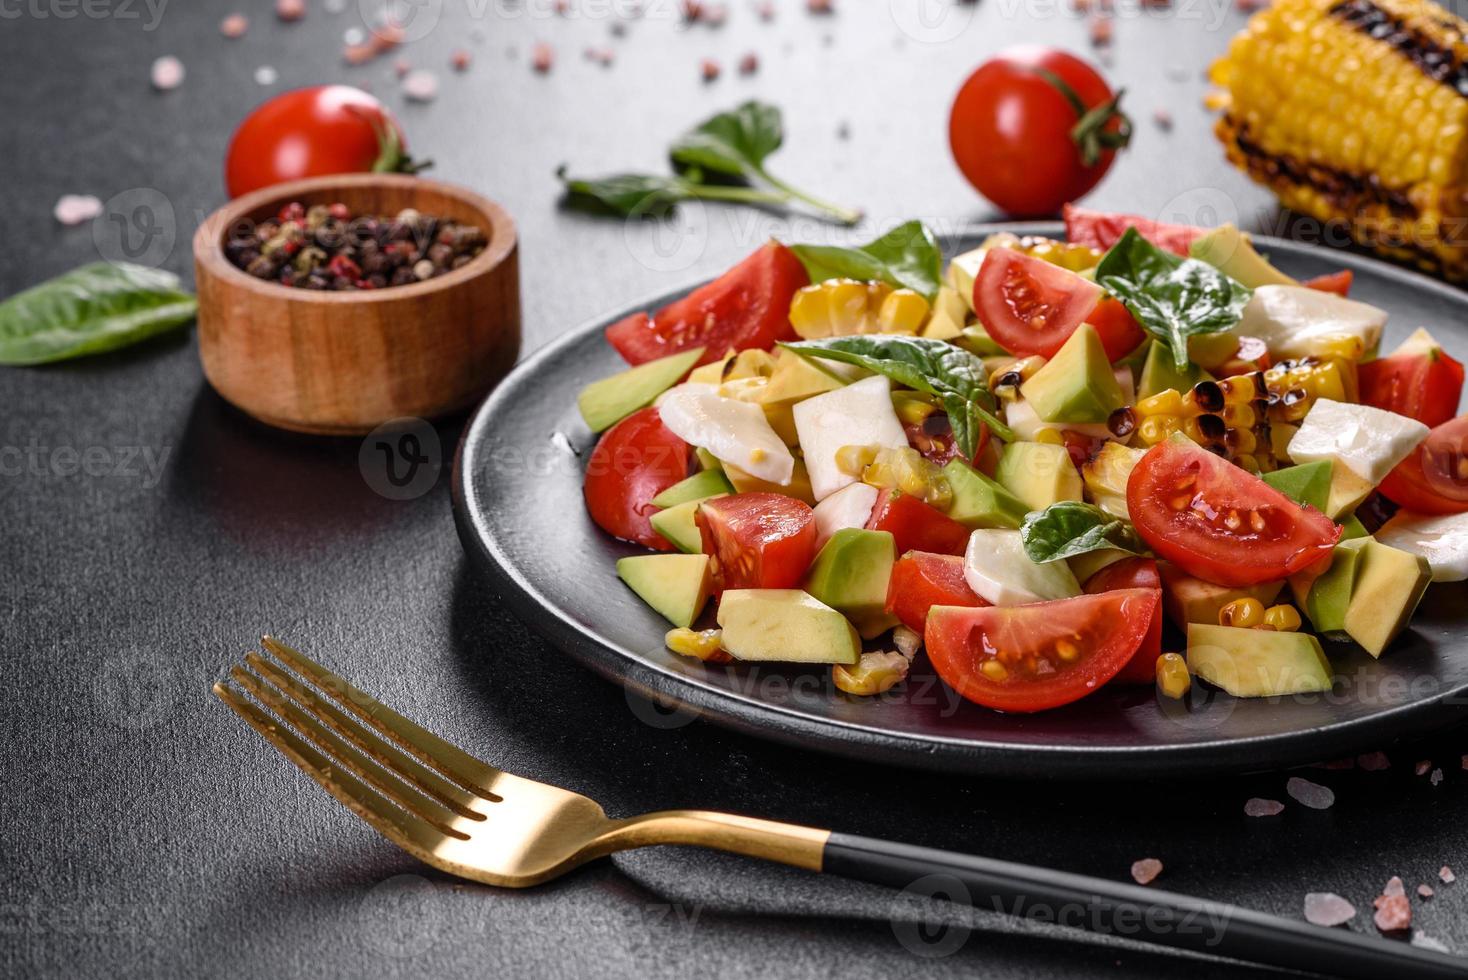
1035,128
312,132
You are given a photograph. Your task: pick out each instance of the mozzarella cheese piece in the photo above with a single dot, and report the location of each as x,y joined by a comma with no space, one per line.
859,414
1293,320
998,570
1443,541
734,431
1367,441
846,508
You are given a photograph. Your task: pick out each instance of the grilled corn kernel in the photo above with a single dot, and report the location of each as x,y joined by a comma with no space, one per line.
907,470
1067,255
1169,402
903,311
843,307
851,460
705,645
1244,613
1153,429
908,641
872,674
1050,437
913,407
1283,618
1173,679
1227,417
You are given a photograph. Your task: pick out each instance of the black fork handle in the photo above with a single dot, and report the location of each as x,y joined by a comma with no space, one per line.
1132,912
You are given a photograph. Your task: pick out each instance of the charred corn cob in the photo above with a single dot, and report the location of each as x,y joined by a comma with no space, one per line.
1229,417
1357,111
842,307
1295,385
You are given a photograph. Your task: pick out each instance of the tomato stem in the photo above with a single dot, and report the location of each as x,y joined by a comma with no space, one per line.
1093,133
392,158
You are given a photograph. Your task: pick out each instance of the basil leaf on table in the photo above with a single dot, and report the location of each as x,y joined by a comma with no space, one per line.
628,193
99,307
1170,296
937,367
907,256
1070,528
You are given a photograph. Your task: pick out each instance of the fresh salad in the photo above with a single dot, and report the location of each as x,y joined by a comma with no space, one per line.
1023,466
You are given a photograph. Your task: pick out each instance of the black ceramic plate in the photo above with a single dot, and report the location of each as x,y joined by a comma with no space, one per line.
518,505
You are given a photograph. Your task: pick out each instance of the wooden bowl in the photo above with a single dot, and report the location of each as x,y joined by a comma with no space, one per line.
342,363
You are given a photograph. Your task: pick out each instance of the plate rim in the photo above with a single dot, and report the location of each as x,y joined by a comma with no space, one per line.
748,715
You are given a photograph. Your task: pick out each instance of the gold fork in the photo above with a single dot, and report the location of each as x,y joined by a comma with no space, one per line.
469,819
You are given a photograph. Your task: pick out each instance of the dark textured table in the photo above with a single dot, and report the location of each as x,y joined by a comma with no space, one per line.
148,533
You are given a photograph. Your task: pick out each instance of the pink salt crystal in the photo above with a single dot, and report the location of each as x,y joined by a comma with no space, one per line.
709,69
1393,912
1257,807
1446,874
289,10
1393,887
1436,777
402,66
714,15
167,73
1346,763
765,10
1328,909
542,56
75,209
562,7
1425,891
460,59
1374,761
1101,32
1422,767
1162,118
1306,793
1465,762
600,56
359,54
1145,871
821,6
749,64
421,85
234,26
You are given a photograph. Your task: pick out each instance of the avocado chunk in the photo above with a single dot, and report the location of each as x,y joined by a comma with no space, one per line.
976,340
1038,473
1352,528
979,501
795,378
1307,483
1085,565
1192,600
1389,584
1250,663
1325,598
677,586
707,460
1347,490
1076,385
677,525
1159,373
851,574
703,484
1229,251
606,402
798,487
785,624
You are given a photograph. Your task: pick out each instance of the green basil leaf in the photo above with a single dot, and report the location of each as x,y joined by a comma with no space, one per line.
630,194
734,143
907,256
1171,297
96,308
1070,528
923,364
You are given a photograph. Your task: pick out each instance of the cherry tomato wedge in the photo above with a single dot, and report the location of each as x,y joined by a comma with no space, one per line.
748,306
1434,479
1219,523
1028,305
1038,656
1424,384
1035,127
1119,330
1135,573
915,525
921,580
1333,282
636,459
1101,229
757,540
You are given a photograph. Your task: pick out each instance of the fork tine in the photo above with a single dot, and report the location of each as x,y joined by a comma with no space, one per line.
343,753
386,754
447,758
404,829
